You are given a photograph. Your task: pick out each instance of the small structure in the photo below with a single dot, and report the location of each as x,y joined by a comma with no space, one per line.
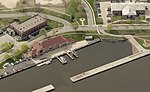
38,48
30,26
88,37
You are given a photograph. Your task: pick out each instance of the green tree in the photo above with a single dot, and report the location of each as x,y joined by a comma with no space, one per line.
7,56
109,27
43,32
17,52
6,46
24,48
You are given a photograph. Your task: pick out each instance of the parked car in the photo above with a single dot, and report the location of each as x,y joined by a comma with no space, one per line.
6,73
1,75
97,5
6,65
12,64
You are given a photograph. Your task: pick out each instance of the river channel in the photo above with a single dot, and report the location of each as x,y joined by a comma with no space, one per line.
131,77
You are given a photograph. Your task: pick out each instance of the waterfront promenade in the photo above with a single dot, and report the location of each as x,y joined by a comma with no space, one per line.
61,51
108,66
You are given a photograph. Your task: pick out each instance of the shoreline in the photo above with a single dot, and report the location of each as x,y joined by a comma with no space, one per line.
76,46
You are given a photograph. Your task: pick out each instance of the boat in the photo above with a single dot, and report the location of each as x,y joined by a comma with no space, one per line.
63,60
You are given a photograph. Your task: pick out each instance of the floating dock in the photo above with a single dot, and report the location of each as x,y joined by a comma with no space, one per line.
45,89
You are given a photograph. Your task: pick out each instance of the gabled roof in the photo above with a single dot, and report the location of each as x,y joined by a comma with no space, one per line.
28,24
121,6
129,10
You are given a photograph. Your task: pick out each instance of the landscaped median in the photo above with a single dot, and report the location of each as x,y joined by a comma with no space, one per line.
141,42
76,10
80,35
129,32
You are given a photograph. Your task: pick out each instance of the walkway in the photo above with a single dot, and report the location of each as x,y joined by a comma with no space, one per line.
109,66
90,13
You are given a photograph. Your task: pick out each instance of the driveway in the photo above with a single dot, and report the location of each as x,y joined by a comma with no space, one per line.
89,13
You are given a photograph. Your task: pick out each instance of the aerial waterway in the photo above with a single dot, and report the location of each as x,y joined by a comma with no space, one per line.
57,74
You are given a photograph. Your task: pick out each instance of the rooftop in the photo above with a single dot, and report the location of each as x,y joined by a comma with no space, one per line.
121,6
28,24
36,47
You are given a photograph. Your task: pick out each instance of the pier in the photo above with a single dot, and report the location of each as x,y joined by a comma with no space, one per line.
108,66
69,54
75,54
45,89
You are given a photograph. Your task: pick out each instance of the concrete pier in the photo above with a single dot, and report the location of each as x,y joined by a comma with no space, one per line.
108,66
75,54
68,53
45,89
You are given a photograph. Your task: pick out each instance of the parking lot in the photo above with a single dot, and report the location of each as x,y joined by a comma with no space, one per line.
16,67
104,12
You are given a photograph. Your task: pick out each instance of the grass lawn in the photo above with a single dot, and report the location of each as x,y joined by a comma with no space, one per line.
131,22
148,19
130,32
49,12
79,35
76,10
147,38
76,37
54,24
4,22
115,18
141,43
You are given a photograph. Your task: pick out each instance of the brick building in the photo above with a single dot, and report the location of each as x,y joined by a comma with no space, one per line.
38,48
28,27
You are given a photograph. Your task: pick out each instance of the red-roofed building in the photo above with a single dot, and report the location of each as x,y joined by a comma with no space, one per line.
38,48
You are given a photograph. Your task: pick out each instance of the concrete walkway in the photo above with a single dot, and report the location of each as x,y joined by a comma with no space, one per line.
108,66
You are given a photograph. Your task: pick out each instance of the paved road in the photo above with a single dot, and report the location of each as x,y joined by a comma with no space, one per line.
130,27
90,13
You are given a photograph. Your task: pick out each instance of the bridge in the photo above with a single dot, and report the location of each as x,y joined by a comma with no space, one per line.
108,66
